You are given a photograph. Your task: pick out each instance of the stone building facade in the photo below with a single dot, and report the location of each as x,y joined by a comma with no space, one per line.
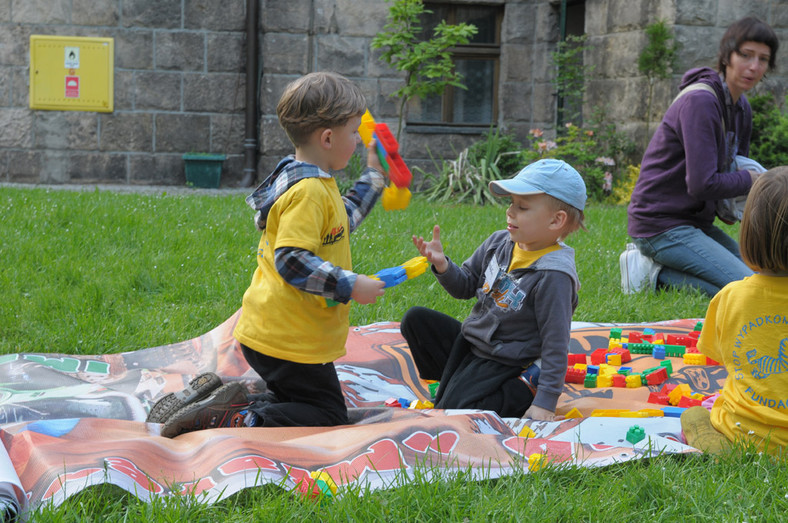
180,76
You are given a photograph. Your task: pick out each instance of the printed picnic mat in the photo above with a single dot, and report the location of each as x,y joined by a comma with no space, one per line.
68,422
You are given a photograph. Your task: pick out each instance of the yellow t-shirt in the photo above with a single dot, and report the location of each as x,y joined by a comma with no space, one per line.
522,258
746,329
277,319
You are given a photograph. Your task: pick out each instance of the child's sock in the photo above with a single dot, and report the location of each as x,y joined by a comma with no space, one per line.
699,432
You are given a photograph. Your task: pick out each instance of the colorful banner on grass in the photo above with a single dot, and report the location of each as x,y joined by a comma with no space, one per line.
71,421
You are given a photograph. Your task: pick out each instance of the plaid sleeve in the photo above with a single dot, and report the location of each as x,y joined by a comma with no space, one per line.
362,197
305,271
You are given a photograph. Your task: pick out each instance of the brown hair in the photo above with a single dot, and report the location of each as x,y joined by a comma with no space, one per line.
764,227
749,29
318,101
575,218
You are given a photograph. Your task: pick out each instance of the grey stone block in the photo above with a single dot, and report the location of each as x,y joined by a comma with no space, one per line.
124,90
96,168
227,15
180,51
54,166
6,79
145,13
134,49
284,53
75,130
156,169
157,90
16,127
14,45
285,15
5,10
126,132
217,93
226,52
341,54
41,11
95,12
351,18
696,12
182,133
227,133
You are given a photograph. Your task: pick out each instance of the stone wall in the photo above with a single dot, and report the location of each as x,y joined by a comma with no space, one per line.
179,87
180,77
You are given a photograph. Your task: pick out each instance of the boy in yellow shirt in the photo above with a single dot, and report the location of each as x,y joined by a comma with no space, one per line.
289,333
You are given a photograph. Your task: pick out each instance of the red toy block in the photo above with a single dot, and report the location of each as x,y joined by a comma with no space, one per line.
598,357
619,380
575,375
398,171
692,350
392,402
626,357
685,402
658,398
710,361
634,337
657,377
576,358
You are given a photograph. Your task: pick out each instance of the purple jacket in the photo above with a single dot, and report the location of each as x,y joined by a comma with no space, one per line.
682,174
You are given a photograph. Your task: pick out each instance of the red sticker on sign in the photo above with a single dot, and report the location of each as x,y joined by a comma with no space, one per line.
72,86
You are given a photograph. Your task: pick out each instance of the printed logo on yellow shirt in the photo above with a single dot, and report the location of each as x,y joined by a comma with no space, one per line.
767,365
336,235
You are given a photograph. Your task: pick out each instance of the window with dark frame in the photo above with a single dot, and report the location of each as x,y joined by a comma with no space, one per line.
478,62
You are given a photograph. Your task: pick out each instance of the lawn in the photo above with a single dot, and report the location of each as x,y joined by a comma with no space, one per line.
100,272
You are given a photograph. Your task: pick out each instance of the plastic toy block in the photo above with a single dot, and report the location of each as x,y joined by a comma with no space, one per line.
580,366
598,356
658,352
392,402
626,357
575,376
619,380
698,327
640,348
697,396
414,404
642,413
678,392
678,339
633,381
537,462
433,387
694,335
668,366
607,413
648,331
604,380
635,434
673,412
604,368
615,333
694,359
415,266
675,351
576,358
391,276
574,413
692,350
613,344
626,371
324,481
590,381
710,361
426,405
668,388
613,358
592,369
658,398
527,432
634,337
686,402
656,377
405,402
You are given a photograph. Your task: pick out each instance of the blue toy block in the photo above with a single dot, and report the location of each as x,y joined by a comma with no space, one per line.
392,276
592,369
405,402
673,412
658,352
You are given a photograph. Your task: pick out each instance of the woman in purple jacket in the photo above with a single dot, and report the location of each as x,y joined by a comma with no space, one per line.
688,166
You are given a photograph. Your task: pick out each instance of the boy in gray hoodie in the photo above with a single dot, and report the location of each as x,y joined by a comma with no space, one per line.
510,353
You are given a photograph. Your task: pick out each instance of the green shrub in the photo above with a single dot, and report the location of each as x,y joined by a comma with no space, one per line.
769,142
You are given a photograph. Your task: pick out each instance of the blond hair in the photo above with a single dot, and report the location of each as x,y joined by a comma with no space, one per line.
318,101
764,227
575,218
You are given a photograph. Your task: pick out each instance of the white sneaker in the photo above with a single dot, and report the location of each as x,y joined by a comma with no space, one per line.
637,271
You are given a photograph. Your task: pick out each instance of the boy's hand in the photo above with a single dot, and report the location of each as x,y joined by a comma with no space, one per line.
366,290
433,250
372,158
538,413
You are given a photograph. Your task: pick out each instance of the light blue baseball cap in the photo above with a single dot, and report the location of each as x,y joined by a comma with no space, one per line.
554,177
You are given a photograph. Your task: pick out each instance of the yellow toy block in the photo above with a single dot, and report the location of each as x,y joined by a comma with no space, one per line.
604,380
537,462
415,266
581,366
614,359
694,359
367,128
613,344
607,413
644,413
680,390
633,381
574,413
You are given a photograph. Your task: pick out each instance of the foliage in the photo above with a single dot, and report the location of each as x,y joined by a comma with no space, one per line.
583,150
769,142
569,81
657,59
466,179
427,64
622,191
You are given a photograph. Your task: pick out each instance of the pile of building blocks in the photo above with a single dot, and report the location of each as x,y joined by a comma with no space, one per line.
607,365
405,403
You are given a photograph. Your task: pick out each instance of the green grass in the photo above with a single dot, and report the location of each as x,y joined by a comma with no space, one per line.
99,272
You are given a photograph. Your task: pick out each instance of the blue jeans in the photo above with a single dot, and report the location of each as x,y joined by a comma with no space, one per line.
694,258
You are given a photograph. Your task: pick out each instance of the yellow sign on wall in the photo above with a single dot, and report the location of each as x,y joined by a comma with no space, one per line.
71,73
